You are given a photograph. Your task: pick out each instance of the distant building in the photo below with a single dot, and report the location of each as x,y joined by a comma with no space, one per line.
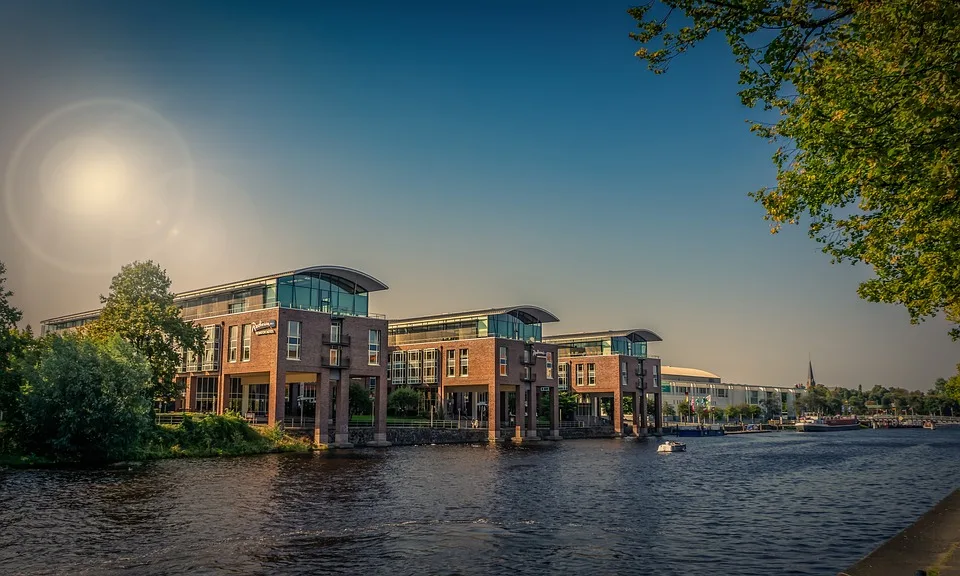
699,387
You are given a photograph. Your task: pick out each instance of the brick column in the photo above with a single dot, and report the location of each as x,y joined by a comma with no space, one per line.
321,425
493,412
223,392
532,412
616,412
554,413
342,439
191,396
644,424
658,413
636,413
519,411
380,414
275,404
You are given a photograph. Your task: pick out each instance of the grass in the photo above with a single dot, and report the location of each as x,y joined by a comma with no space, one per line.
217,435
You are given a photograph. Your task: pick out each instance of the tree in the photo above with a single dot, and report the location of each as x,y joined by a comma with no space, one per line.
568,405
85,400
403,401
140,308
684,410
952,386
11,346
733,412
669,409
360,402
867,132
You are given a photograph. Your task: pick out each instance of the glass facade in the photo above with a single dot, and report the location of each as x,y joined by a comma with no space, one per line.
321,292
512,327
602,347
499,325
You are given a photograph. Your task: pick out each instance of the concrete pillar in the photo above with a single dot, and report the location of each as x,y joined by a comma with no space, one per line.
342,438
494,404
380,414
532,413
636,413
275,407
554,414
616,413
321,419
519,410
658,413
643,413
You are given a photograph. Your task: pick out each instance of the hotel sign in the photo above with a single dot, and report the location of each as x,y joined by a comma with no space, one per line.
268,327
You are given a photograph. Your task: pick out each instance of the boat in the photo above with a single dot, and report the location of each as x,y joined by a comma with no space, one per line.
670,446
929,425
827,423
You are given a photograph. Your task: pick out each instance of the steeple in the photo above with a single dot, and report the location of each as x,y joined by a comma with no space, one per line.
811,382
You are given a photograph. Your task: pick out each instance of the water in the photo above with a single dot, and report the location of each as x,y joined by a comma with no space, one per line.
782,503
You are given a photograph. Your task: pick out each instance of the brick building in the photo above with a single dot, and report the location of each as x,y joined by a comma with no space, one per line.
489,367
611,364
283,348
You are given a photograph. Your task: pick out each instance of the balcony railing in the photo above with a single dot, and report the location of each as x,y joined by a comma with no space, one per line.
343,340
238,308
343,363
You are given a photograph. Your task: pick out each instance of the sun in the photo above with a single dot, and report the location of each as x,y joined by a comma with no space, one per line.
86,176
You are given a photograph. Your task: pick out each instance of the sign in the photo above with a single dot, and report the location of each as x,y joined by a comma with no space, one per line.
268,327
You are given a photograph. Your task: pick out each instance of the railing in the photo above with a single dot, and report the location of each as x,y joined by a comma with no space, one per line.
239,309
344,340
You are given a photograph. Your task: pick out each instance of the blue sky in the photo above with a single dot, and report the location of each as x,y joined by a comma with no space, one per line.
467,154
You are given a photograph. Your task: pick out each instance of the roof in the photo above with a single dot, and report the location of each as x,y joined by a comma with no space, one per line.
535,313
363,281
634,335
675,371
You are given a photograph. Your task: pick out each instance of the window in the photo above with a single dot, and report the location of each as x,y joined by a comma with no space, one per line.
293,340
591,374
623,373
211,348
336,328
372,384
430,358
464,361
503,360
549,365
398,365
562,383
702,391
232,351
451,363
334,356
721,392
414,359
246,330
206,394
373,356
236,394
754,397
579,375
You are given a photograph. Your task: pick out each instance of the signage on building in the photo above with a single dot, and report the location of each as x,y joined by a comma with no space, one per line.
268,327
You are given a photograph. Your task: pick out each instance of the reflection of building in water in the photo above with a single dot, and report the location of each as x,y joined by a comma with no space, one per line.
282,348
701,388
489,366
603,368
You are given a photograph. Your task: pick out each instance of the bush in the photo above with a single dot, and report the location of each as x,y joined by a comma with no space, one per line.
403,401
218,435
360,402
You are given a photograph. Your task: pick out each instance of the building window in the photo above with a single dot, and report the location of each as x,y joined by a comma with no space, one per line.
452,363
549,365
334,356
591,374
373,357
211,348
206,394
623,373
336,329
754,397
246,331
293,340
232,351
579,380
701,391
236,394
372,384
503,360
562,382
721,392
414,359
464,361
430,358
398,365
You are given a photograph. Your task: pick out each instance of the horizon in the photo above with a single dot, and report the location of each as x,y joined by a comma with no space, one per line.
466,156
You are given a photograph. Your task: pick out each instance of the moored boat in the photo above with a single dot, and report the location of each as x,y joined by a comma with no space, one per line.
670,446
827,424
929,425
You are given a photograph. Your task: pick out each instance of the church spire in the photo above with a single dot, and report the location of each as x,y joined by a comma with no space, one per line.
811,382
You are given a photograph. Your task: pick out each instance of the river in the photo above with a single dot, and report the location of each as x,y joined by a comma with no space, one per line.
780,503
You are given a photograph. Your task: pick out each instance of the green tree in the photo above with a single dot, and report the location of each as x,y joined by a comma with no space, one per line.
754,411
952,386
867,134
733,412
626,404
669,409
140,308
85,400
403,401
568,405
684,410
11,346
360,401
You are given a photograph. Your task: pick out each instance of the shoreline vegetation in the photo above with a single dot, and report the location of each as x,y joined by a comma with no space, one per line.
208,436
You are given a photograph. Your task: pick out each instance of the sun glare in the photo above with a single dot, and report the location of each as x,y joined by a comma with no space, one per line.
86,176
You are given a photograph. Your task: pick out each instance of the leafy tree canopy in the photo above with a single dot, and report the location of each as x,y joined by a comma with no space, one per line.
868,133
11,344
140,308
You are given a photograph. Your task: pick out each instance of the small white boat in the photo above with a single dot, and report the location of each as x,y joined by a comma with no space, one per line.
670,446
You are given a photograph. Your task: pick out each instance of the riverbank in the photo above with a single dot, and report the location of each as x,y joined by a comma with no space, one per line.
931,544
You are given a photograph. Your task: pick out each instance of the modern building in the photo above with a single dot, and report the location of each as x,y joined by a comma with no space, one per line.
611,364
699,387
490,367
283,348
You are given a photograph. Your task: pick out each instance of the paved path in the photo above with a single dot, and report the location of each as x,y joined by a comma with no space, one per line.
932,544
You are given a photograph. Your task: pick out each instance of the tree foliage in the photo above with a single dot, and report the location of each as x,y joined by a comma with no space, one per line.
12,342
85,399
360,401
140,308
938,401
868,133
403,401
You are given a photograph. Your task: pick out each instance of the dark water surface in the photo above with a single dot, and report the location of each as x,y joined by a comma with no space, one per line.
781,503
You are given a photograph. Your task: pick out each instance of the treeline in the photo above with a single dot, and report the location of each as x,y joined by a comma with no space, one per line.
942,400
88,396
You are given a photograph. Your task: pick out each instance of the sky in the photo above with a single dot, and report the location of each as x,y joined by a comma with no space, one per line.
469,155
